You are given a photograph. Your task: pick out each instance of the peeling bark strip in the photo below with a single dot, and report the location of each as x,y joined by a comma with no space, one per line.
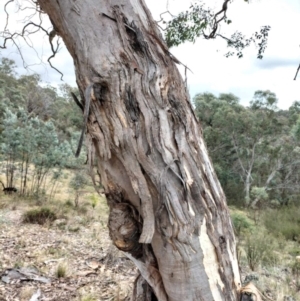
167,209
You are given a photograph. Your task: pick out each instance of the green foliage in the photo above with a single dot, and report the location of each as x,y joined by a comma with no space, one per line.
28,140
294,251
259,249
38,127
201,21
241,223
94,200
39,216
264,100
284,221
296,130
46,102
69,204
7,67
296,268
259,195
254,252
255,150
78,181
189,25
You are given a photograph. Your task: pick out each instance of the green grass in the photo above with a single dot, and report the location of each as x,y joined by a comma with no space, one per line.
283,222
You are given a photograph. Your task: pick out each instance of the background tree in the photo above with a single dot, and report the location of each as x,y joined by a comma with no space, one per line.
251,147
35,143
77,183
27,141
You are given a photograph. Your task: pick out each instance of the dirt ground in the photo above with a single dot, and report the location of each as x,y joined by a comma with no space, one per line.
74,253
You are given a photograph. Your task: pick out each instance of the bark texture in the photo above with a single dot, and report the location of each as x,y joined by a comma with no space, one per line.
168,211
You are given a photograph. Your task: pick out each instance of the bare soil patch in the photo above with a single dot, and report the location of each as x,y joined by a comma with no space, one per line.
92,269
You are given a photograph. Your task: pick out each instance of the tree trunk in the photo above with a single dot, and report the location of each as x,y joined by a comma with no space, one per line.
247,188
167,209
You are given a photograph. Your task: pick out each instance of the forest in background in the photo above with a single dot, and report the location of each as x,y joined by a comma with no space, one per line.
255,150
39,131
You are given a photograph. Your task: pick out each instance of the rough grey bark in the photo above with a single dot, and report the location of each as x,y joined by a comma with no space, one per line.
167,209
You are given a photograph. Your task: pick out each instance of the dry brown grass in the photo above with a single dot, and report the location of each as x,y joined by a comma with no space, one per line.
62,255
61,249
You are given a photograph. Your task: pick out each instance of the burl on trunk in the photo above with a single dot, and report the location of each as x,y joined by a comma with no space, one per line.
167,209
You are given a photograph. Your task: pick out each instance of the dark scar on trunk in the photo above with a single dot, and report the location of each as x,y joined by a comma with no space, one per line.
87,96
79,104
101,90
137,40
131,104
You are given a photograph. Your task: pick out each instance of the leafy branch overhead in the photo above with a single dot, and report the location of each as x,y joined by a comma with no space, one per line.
201,21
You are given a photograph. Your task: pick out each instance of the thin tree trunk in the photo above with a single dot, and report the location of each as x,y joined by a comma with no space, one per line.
247,188
22,173
167,209
7,172
26,174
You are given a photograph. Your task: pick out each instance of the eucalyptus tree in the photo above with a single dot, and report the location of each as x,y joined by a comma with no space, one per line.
213,113
26,141
9,146
168,212
254,149
241,140
233,133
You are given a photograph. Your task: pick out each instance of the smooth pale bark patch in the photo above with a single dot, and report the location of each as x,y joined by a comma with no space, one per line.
210,262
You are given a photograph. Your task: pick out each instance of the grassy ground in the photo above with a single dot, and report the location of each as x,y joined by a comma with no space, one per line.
75,252
266,257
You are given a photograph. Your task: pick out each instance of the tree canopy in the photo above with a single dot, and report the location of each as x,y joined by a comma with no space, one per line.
252,147
39,126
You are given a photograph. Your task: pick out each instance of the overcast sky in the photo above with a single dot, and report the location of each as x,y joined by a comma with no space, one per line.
212,72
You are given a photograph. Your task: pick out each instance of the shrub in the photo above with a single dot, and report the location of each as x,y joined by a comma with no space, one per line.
61,271
69,203
259,193
296,268
240,223
94,200
259,249
254,252
284,221
78,182
39,216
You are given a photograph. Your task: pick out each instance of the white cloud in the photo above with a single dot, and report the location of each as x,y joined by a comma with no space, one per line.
211,70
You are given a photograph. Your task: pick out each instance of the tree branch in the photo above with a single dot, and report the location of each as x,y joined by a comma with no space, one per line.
298,69
216,23
7,14
25,33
